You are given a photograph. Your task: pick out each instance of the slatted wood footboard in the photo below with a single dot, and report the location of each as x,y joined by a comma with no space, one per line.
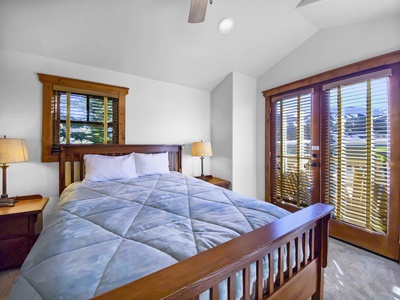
305,231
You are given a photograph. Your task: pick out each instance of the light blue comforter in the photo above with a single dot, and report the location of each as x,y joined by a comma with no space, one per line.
106,234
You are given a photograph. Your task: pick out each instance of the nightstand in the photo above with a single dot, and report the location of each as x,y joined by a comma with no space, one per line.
19,229
218,181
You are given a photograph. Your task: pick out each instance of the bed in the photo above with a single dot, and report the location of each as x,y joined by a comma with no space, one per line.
163,235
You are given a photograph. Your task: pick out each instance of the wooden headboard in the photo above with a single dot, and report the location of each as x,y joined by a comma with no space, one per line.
71,158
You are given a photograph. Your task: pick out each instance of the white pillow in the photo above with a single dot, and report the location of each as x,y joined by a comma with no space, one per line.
147,164
103,167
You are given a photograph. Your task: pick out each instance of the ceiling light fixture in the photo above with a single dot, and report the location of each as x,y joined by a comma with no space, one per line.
226,25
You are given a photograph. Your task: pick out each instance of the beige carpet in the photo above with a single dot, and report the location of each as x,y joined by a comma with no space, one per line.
351,274
7,279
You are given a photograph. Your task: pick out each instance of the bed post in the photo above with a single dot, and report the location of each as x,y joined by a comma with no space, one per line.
61,171
180,158
322,253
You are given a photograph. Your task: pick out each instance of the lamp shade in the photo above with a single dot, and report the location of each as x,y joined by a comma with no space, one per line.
13,150
201,149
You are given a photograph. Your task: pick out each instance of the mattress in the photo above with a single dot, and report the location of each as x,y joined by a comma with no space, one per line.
106,234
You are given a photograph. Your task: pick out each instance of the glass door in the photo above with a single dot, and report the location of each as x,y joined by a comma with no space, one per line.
358,153
295,150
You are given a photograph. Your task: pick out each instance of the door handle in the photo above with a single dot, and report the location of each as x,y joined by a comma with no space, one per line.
311,164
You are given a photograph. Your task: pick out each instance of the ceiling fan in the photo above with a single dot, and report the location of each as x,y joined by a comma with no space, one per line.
305,2
197,12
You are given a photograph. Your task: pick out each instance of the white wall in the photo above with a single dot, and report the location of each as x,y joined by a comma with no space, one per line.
326,50
156,112
221,129
244,134
233,125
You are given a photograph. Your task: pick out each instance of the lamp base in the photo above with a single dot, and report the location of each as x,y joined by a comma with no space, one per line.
202,177
205,177
6,201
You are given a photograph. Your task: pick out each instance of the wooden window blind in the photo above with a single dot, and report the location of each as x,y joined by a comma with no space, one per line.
83,119
358,176
291,121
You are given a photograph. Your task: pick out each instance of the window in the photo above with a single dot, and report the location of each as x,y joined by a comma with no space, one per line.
291,118
84,119
80,112
358,143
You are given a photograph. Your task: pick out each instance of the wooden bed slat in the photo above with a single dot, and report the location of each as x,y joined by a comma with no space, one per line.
312,242
214,292
304,248
81,168
289,261
259,281
246,283
298,254
270,280
280,278
232,287
73,170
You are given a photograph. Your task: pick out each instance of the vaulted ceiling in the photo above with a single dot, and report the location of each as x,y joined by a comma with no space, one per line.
152,38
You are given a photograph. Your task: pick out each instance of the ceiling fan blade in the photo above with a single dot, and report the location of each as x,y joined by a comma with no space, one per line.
305,2
197,12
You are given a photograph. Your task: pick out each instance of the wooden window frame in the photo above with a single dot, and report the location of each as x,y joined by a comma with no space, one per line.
51,82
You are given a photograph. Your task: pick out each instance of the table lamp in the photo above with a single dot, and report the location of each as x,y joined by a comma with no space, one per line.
201,149
11,151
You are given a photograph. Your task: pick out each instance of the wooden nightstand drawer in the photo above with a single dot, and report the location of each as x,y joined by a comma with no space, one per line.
14,251
17,246
19,230
14,225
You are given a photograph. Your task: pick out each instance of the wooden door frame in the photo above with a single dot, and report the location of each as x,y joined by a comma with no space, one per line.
381,61
317,138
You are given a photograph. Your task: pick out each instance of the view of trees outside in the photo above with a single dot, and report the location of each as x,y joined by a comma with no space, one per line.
87,119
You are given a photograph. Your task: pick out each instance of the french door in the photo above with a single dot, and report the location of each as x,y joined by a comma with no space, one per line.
337,143
295,154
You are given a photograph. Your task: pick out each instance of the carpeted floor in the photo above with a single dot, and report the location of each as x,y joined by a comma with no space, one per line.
7,279
352,274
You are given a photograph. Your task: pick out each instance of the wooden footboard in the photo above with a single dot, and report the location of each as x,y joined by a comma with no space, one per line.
306,229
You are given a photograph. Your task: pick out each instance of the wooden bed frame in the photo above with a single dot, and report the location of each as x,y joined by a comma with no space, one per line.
72,155
187,279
